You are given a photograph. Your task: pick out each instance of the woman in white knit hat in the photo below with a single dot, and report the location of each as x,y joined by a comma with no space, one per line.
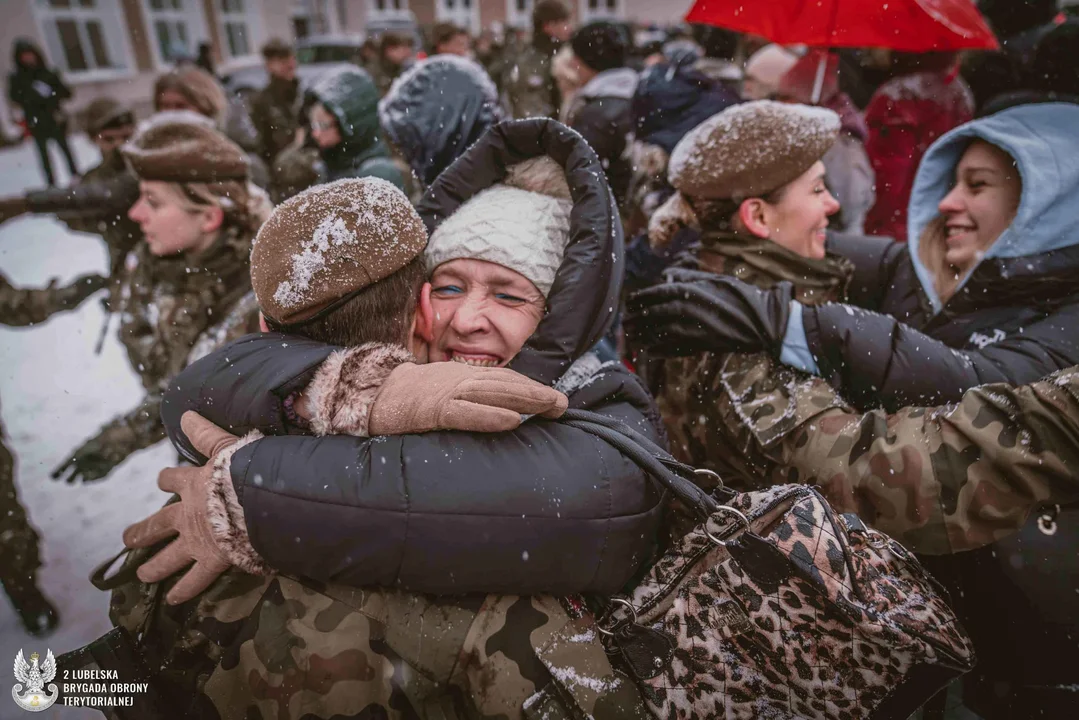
493,262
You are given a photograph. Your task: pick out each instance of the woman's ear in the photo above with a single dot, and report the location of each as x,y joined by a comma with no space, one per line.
753,215
213,219
262,323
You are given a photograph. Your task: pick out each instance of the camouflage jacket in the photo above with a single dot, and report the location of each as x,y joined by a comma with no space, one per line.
527,82
940,480
120,233
275,112
23,306
166,306
286,647
704,423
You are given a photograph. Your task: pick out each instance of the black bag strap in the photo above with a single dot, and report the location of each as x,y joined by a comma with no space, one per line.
650,457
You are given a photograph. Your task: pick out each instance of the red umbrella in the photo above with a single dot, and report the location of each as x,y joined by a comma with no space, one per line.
906,25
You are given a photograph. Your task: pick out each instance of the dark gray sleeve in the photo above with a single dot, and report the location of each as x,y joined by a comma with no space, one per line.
544,509
239,388
93,199
876,361
876,261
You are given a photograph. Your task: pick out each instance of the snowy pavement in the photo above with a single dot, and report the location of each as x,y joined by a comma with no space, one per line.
54,393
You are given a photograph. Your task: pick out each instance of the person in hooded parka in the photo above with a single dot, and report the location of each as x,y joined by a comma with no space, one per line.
344,125
545,508
984,293
39,92
436,110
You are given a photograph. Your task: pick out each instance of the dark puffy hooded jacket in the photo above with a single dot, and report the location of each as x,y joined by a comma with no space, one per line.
1014,320
546,508
37,90
351,96
436,110
674,97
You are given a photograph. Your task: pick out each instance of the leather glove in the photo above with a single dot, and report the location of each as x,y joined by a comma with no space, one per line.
97,457
82,288
13,207
697,311
455,396
189,520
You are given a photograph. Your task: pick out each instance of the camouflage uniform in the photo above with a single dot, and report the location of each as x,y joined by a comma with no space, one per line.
19,556
940,480
527,81
166,306
700,415
275,112
277,647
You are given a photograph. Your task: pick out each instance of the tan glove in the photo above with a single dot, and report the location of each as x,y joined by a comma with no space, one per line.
455,396
204,496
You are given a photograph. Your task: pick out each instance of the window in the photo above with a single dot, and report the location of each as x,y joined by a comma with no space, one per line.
238,20
601,10
519,13
177,27
382,9
463,13
83,36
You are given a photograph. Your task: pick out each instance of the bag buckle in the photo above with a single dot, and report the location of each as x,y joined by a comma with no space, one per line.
619,623
730,511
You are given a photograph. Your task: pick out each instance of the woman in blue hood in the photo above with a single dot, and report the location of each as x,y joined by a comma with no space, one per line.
987,290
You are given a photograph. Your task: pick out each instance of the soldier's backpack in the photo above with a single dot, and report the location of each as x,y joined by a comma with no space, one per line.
773,605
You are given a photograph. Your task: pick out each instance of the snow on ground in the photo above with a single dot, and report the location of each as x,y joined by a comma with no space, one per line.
55,393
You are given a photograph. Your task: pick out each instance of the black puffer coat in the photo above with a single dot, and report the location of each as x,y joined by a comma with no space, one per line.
546,508
436,110
38,90
1013,320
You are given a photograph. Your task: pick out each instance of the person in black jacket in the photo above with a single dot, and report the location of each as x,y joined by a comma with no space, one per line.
248,382
436,110
544,508
39,91
600,110
986,291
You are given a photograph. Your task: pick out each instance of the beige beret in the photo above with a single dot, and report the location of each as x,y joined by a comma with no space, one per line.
177,151
751,149
328,243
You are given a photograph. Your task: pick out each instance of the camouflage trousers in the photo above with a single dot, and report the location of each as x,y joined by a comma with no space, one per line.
19,557
276,648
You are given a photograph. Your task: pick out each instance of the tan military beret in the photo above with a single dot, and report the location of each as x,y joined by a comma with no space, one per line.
751,149
328,243
178,151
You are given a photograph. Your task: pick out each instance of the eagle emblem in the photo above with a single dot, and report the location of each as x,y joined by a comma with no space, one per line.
34,678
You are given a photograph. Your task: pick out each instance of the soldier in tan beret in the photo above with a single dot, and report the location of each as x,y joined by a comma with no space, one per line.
198,215
750,181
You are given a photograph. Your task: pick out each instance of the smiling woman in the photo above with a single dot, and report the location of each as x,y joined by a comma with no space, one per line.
977,210
493,262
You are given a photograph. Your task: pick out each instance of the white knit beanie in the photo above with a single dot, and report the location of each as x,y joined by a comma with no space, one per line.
518,229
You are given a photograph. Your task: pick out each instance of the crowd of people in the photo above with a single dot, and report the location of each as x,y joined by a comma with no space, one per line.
360,307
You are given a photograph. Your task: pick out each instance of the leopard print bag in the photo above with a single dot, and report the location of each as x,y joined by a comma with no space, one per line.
776,607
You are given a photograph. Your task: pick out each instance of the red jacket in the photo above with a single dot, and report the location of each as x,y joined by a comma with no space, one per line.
905,116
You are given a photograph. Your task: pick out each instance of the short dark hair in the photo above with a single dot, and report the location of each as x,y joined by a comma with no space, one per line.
444,32
379,313
276,49
391,39
549,11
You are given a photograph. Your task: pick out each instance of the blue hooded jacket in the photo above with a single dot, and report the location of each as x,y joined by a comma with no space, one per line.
1013,317
1044,142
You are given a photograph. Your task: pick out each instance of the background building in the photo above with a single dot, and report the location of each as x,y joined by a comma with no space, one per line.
118,47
